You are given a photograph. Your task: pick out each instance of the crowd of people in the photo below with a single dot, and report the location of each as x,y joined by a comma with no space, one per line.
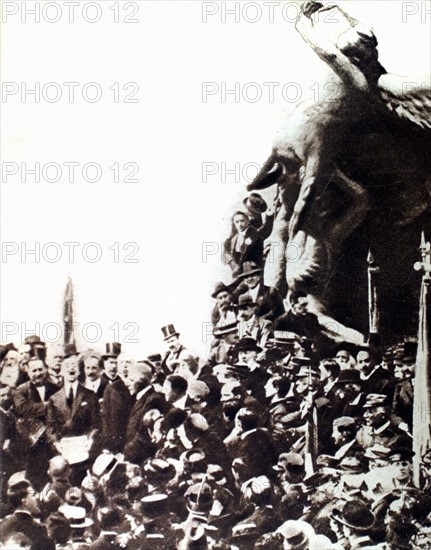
278,439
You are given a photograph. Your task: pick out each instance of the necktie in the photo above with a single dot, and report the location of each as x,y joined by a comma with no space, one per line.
70,398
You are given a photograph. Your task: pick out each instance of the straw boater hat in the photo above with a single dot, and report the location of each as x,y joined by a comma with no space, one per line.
76,516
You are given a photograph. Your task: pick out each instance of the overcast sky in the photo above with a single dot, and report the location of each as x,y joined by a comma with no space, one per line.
172,211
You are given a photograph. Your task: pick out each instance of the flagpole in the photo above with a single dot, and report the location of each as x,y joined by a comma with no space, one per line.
373,309
69,337
422,381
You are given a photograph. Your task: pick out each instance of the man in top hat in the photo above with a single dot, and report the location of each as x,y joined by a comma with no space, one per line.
249,325
256,206
245,245
268,300
299,320
171,337
378,426
31,402
110,362
356,520
222,312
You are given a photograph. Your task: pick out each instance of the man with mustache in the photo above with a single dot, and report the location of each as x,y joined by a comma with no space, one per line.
31,400
249,325
74,409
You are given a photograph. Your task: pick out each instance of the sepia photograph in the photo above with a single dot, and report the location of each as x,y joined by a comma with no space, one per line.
215,275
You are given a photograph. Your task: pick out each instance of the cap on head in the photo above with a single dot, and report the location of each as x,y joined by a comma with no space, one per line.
375,400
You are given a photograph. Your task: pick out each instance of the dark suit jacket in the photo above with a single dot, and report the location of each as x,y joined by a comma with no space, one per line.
263,227
21,522
269,302
138,444
80,420
104,383
28,403
116,406
31,411
170,356
251,250
258,452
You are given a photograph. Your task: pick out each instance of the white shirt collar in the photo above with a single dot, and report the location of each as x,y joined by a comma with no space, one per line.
180,403
41,390
254,292
343,449
141,394
382,428
73,385
93,385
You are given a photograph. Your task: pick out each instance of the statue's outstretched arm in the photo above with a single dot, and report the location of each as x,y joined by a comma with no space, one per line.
329,53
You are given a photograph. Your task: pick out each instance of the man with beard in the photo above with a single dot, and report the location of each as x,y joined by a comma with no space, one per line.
31,402
249,326
54,359
268,300
222,312
378,427
138,445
